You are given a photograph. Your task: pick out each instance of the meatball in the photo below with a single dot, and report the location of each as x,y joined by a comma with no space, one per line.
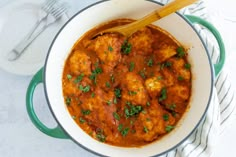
108,49
73,85
102,105
164,52
141,42
180,69
154,85
177,94
133,89
80,63
70,88
101,110
152,124
118,74
168,77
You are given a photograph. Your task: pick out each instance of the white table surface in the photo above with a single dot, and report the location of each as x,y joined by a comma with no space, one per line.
20,138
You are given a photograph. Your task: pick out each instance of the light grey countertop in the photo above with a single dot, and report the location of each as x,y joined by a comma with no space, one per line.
20,138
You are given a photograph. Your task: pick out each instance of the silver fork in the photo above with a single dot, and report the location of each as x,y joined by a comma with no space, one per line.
53,11
45,9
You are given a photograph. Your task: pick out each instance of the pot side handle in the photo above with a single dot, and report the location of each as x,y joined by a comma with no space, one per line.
218,66
56,132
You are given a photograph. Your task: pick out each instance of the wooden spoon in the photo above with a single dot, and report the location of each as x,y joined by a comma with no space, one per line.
128,29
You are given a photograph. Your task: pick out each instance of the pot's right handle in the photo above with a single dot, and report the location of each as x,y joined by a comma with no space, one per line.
218,66
56,132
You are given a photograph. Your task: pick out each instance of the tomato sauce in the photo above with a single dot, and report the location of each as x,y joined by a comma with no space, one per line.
127,91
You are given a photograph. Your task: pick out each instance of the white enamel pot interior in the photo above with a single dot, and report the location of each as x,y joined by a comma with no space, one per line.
175,24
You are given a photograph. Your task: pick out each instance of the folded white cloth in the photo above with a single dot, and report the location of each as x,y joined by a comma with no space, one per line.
203,140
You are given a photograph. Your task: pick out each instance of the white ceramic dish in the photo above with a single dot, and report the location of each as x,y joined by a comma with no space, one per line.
16,20
175,24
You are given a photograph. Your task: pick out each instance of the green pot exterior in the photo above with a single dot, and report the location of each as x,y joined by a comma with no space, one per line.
56,132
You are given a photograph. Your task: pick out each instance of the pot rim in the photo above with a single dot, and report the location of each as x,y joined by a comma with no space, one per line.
153,1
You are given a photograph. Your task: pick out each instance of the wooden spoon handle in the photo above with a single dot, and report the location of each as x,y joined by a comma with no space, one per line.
172,7
160,13
129,29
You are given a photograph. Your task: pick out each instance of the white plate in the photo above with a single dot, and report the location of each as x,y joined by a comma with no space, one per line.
16,20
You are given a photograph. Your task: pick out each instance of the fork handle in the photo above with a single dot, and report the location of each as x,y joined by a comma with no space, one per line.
20,48
29,39
35,27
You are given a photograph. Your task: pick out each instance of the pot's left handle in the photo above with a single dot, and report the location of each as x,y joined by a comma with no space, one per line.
56,132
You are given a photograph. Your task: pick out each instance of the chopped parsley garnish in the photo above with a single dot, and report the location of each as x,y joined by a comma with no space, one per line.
132,110
110,48
163,95
85,112
150,62
79,78
180,78
167,64
144,111
148,103
131,66
145,129
159,78
68,101
126,47
180,52
93,95
187,66
74,117
84,89
98,70
112,78
115,101
173,113
169,128
69,77
108,85
131,122
81,120
124,132
94,74
132,93
109,102
117,92
116,116
162,66
120,127
171,106
142,74
100,136
166,117
93,77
